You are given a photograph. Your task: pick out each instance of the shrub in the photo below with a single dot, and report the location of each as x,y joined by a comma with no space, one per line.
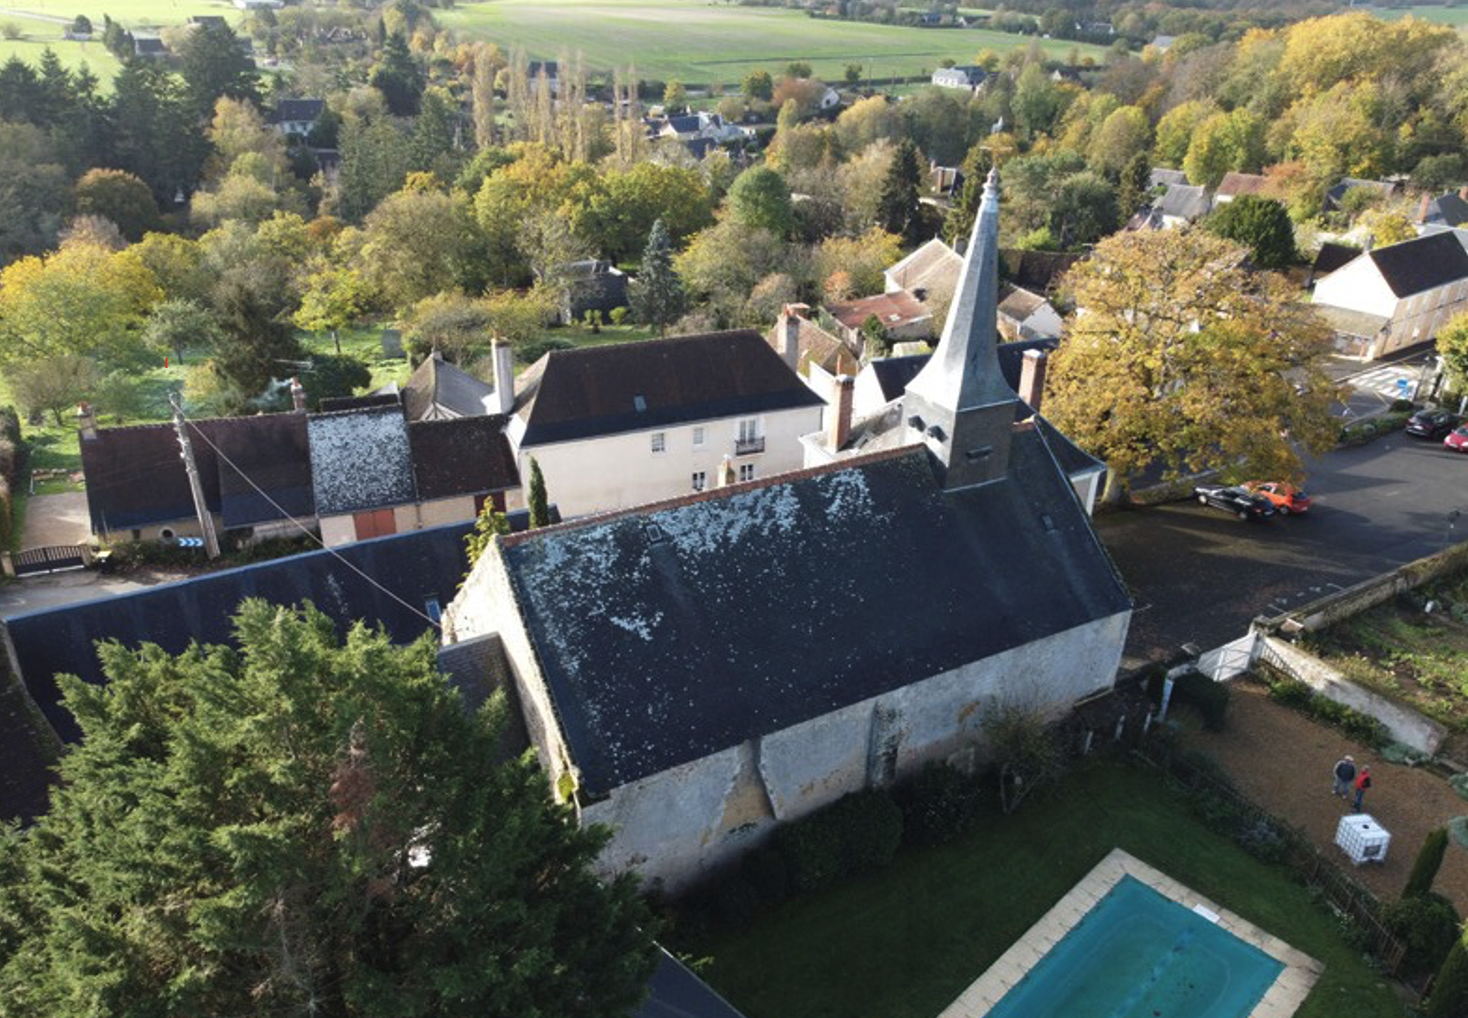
868,828
938,805
764,870
811,852
1425,866
1402,406
1291,693
617,315
1427,924
1263,841
1450,990
1210,697
535,349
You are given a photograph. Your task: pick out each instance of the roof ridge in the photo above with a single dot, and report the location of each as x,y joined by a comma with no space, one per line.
624,344
712,494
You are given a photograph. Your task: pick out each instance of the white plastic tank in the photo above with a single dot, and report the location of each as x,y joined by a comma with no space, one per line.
1362,838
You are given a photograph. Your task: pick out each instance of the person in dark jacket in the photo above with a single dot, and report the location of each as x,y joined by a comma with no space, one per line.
1345,776
1363,782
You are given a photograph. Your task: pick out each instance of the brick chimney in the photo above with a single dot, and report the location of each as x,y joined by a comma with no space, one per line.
838,425
790,320
86,421
504,377
298,396
1032,377
1422,208
725,475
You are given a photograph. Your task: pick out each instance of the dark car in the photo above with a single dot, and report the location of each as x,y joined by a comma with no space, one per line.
1431,423
1233,499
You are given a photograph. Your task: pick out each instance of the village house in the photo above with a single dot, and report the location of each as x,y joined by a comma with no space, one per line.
149,47
664,657
1235,184
592,284
1396,296
901,314
1024,314
968,77
627,423
1178,205
439,391
1382,189
297,117
810,351
930,270
1450,209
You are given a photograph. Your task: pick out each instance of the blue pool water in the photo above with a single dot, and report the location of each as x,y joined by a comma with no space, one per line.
1138,954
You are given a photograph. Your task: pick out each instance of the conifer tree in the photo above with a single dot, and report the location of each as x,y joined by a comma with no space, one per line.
306,825
657,294
1429,860
1131,192
539,505
959,222
898,210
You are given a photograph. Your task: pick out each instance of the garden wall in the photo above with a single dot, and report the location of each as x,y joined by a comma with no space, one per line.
1404,724
1369,593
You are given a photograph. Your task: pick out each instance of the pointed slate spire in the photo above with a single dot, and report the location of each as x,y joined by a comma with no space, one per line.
960,402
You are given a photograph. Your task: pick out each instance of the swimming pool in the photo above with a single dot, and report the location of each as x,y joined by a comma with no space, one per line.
1138,954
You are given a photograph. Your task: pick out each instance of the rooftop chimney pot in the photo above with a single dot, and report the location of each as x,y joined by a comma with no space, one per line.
504,377
838,430
1032,377
298,396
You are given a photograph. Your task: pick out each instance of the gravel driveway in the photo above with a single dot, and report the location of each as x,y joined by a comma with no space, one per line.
56,519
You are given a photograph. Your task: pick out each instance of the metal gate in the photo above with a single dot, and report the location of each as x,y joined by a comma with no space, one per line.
50,559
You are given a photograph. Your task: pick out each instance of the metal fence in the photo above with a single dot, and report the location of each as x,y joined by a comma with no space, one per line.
1307,862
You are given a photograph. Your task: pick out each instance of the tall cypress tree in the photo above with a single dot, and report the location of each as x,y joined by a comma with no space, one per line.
538,503
1429,860
898,210
657,294
1131,191
959,222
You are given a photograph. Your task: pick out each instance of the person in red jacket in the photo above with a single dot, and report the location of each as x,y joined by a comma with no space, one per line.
1363,782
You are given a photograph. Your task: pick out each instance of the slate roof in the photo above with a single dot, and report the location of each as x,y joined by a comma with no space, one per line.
605,390
414,566
360,459
1331,257
933,267
437,388
1018,303
893,309
893,373
1335,194
1184,201
1423,263
1449,209
1235,184
462,456
675,992
135,475
680,629
296,110
1161,176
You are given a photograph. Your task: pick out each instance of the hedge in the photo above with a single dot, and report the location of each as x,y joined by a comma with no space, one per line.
1210,697
938,805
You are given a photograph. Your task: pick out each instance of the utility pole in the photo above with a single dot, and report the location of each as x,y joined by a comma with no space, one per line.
206,521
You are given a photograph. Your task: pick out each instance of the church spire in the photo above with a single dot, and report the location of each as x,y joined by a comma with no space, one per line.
959,401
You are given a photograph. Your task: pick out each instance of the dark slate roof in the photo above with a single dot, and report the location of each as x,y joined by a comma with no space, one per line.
416,566
1184,201
680,629
1449,209
1164,177
683,125
1421,264
135,476
573,394
1331,257
145,44
1336,193
675,992
477,668
436,382
893,373
699,147
360,459
331,404
462,456
290,110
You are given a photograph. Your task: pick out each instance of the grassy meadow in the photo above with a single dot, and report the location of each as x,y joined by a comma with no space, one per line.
708,43
37,34
1436,12
128,13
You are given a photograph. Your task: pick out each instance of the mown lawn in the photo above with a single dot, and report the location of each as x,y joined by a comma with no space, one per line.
704,43
904,943
37,35
1442,15
129,13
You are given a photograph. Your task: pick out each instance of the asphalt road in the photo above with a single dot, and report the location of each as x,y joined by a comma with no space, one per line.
1200,576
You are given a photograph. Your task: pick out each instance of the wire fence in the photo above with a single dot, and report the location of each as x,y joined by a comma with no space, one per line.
1267,835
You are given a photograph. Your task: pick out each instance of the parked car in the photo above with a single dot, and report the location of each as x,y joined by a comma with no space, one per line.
1286,498
1431,423
1235,499
1457,439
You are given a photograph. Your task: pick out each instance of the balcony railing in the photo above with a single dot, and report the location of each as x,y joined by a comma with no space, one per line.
748,446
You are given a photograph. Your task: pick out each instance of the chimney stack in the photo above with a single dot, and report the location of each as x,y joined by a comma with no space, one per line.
725,475
1463,192
838,428
298,396
1422,208
504,377
1032,377
86,421
790,320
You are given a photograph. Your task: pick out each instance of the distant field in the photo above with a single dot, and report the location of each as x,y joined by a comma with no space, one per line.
1442,15
130,13
40,34
700,42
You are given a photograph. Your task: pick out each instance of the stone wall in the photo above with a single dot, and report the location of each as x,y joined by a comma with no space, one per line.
1353,600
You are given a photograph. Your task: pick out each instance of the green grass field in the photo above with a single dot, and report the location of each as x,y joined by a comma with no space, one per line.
905,942
1442,15
707,43
38,34
129,13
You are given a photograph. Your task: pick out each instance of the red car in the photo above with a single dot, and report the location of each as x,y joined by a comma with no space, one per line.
1457,439
1286,498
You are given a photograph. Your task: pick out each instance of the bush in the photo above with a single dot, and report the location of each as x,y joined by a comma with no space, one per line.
1291,693
1450,990
1427,924
1210,697
618,315
1425,866
860,831
1402,406
1295,694
535,349
811,851
938,805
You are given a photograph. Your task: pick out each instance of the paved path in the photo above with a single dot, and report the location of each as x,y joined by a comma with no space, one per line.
39,592
56,519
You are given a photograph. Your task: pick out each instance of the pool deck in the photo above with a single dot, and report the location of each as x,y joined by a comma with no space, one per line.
1282,999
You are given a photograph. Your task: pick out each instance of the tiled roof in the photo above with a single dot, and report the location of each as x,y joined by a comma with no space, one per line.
892,310
1333,256
462,456
1163,177
815,346
677,630
1423,263
437,388
1235,184
360,459
1018,303
605,390
1449,209
933,267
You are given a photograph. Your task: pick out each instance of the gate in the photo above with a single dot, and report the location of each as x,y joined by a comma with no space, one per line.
50,559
